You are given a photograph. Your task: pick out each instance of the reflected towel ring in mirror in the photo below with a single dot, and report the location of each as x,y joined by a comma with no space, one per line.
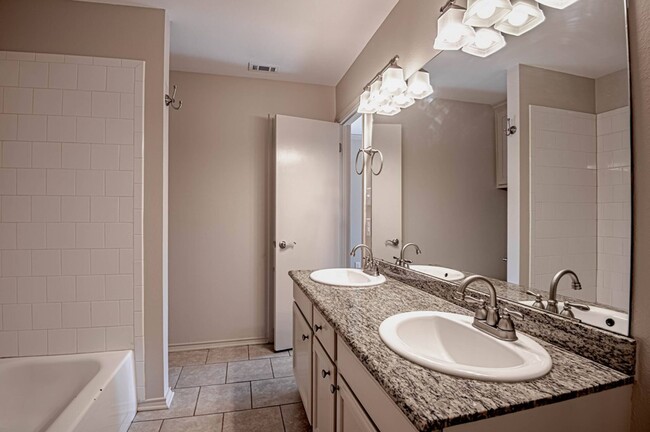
372,153
171,100
381,161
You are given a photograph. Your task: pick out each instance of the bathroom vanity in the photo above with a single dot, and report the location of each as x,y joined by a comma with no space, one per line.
349,380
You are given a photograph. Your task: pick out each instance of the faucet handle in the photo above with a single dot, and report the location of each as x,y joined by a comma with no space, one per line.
539,300
579,306
509,312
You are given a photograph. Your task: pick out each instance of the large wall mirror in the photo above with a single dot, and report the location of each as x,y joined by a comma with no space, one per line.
519,206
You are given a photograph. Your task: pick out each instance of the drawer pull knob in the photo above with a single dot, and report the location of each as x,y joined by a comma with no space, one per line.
324,373
305,337
317,327
333,388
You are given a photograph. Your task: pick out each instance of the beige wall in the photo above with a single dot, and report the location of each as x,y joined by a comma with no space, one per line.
448,180
639,19
549,89
612,91
219,145
70,27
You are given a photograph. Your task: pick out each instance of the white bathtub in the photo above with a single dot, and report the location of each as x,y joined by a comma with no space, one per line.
68,393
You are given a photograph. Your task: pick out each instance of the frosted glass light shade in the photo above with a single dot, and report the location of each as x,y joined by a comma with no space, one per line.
388,110
378,97
486,13
524,16
487,41
403,100
365,105
557,4
392,81
419,85
452,33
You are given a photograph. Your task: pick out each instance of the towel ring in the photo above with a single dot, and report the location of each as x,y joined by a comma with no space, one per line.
372,161
372,152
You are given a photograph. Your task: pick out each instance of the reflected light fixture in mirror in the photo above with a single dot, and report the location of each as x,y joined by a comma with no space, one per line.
378,97
366,106
392,81
486,13
388,110
452,33
524,16
403,100
557,4
419,85
487,41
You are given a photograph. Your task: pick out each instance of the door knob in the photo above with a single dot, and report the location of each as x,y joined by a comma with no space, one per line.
283,244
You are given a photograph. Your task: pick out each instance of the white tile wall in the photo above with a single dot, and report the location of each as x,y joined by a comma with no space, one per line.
564,199
614,207
70,205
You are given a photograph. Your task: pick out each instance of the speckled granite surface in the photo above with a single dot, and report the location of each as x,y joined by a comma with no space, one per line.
432,400
607,348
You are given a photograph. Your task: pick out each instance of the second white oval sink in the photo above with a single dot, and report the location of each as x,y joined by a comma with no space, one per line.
346,277
448,343
443,273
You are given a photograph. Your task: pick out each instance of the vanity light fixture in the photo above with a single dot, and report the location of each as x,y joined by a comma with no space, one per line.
486,13
377,96
403,100
389,109
365,105
487,41
452,33
524,16
392,81
557,4
419,85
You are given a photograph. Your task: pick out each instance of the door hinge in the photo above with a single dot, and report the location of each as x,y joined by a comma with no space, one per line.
340,147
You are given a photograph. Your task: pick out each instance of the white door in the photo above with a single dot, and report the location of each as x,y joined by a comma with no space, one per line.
387,192
307,208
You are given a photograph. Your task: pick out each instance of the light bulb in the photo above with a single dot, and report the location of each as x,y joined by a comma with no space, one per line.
388,110
403,100
517,17
486,10
524,16
482,42
487,42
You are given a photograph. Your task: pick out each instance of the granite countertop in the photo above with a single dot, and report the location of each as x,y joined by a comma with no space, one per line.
430,399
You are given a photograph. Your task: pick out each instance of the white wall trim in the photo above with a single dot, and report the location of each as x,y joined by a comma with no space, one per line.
156,404
216,344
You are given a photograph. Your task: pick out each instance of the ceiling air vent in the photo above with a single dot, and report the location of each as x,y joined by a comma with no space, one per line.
261,68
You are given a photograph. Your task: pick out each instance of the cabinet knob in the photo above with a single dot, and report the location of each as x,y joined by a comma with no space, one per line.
333,388
305,337
324,373
317,327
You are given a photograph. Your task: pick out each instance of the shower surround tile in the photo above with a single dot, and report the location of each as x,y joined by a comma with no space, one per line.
56,115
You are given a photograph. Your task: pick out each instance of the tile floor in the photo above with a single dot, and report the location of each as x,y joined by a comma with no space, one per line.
233,389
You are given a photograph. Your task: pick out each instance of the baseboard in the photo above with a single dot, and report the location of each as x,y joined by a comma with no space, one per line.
216,344
160,403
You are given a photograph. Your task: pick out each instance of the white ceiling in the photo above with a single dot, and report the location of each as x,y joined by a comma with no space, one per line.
588,39
310,41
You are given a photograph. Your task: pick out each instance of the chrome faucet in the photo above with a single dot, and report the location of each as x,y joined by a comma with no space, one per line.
551,305
370,266
487,317
401,261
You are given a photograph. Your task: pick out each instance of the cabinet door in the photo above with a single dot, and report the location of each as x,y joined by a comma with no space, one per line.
324,387
302,341
350,416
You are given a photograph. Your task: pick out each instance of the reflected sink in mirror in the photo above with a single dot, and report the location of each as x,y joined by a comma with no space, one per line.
345,277
443,273
448,343
605,319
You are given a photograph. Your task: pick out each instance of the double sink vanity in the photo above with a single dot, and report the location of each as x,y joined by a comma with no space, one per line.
404,351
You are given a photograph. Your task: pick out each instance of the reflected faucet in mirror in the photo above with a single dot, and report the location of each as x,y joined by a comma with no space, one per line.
370,267
403,262
551,305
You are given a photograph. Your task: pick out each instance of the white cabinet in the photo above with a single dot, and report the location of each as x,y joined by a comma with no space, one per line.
324,390
350,416
302,351
501,145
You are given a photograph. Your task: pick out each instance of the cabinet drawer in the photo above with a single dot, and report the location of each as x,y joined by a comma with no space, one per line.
325,334
303,302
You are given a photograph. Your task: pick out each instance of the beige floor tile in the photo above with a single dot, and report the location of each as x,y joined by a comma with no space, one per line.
174,373
249,370
183,405
257,420
147,426
208,423
202,375
228,354
187,358
295,418
282,367
264,351
224,398
278,391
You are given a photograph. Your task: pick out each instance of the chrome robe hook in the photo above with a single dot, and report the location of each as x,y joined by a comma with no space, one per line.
171,100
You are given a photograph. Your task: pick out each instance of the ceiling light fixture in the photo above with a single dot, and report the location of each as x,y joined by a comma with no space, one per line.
524,16
487,42
557,4
486,13
452,33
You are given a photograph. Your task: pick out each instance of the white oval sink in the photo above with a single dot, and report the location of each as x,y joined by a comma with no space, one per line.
599,317
346,277
439,272
448,343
